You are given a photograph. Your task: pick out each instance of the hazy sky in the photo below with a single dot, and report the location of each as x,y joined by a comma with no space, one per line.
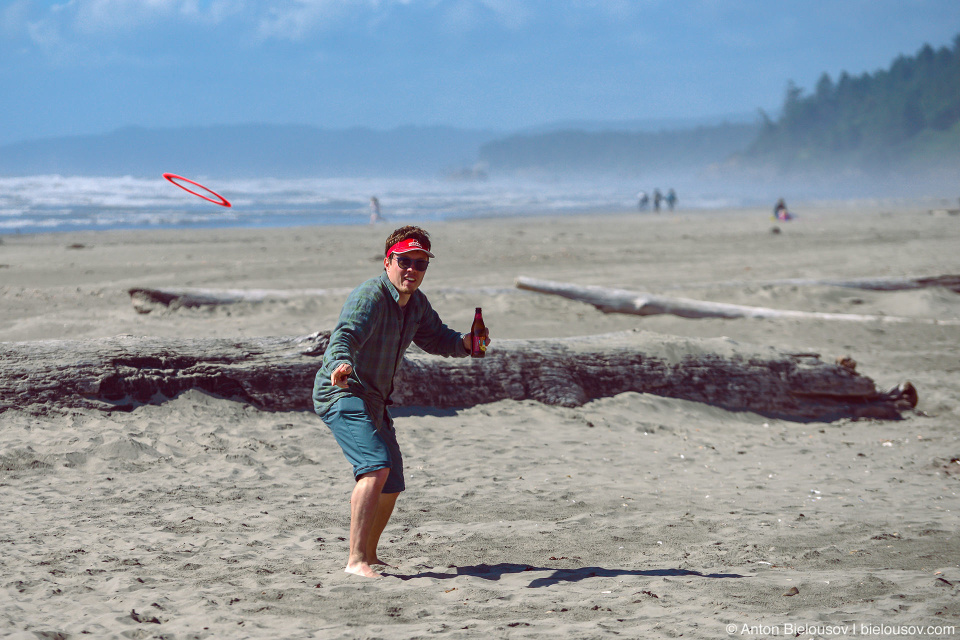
91,66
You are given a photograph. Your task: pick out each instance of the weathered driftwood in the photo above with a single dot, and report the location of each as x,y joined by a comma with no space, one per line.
145,299
906,283
646,304
124,371
951,282
277,373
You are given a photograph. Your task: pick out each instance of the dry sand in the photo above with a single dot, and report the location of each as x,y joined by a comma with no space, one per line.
633,516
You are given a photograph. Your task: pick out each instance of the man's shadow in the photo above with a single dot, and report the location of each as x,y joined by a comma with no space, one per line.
416,411
497,571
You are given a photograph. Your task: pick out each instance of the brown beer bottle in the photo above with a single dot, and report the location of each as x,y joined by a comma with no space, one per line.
478,349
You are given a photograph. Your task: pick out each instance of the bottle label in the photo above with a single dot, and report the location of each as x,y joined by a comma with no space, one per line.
477,345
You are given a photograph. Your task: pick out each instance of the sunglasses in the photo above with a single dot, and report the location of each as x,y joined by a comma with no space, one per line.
405,263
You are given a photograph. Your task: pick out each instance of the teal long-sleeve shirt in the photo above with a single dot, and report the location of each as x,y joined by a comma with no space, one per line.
372,334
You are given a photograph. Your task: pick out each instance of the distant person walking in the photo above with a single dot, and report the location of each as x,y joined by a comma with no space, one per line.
657,199
375,216
642,200
671,199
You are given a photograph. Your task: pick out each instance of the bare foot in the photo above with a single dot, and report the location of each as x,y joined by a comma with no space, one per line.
362,569
386,564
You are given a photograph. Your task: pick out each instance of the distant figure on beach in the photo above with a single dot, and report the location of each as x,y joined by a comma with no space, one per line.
657,199
780,211
642,200
671,199
375,216
352,389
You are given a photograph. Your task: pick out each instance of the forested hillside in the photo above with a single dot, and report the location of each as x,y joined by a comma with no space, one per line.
904,117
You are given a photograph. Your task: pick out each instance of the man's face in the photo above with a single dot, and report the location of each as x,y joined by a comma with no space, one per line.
405,280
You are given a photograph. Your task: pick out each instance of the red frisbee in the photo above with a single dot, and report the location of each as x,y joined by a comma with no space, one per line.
172,177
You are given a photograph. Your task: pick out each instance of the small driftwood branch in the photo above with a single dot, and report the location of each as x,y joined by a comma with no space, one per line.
907,283
951,282
277,373
146,300
647,304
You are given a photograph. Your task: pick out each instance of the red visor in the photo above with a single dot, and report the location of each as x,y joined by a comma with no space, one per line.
408,245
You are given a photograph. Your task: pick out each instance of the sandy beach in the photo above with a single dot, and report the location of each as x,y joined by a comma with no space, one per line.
633,516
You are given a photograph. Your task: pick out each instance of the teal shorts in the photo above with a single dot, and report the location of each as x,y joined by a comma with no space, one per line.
366,448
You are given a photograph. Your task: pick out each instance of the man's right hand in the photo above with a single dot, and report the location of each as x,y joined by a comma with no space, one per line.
339,376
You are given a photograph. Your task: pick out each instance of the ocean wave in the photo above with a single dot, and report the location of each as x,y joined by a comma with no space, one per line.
53,202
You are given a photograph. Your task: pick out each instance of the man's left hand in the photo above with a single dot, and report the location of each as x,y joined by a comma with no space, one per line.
468,340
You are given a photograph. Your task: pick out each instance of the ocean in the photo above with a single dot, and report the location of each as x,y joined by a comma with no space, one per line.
49,203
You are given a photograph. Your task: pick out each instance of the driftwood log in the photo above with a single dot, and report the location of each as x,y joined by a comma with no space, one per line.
951,282
646,304
146,300
277,373
907,283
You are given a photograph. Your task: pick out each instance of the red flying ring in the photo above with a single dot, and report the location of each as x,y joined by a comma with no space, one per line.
172,177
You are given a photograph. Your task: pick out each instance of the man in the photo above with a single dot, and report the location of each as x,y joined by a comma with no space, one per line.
352,389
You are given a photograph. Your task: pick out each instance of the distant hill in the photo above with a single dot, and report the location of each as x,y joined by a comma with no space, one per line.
301,151
902,119
249,151
641,125
622,152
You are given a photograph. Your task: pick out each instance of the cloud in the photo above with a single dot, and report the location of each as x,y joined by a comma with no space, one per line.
44,34
294,19
13,16
118,16
512,14
98,18
297,19
57,27
616,9
75,33
462,16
